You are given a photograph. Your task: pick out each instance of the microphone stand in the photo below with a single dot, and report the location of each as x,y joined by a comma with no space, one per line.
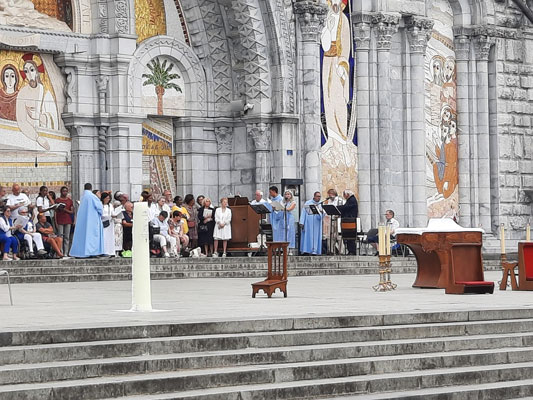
285,218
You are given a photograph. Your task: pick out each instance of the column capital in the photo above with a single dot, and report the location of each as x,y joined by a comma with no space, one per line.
483,41
311,15
419,31
261,134
361,36
224,138
462,47
386,26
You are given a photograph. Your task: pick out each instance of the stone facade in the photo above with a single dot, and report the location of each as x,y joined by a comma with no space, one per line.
243,98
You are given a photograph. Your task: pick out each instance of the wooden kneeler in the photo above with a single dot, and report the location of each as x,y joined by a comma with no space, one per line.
277,270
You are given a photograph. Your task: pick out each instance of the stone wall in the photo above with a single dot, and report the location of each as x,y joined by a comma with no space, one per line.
513,112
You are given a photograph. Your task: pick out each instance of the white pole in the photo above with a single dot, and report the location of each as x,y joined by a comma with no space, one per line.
140,287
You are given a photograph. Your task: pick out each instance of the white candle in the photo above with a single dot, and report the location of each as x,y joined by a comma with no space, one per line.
502,239
387,240
528,233
381,239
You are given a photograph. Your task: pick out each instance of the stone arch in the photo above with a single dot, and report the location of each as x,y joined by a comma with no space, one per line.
208,37
186,61
462,12
253,39
281,49
82,18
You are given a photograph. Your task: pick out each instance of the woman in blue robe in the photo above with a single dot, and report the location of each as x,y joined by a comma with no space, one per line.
288,225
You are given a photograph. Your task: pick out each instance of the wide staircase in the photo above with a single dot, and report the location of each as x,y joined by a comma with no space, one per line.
445,355
105,269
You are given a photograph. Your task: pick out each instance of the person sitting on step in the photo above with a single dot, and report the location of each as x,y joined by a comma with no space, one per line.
49,236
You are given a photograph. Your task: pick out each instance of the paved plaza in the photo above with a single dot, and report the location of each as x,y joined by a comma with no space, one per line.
73,305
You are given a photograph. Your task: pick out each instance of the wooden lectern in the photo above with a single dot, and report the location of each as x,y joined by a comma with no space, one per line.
525,266
448,257
277,270
244,225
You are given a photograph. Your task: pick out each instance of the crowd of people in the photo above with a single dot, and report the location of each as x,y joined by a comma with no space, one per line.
101,224
40,228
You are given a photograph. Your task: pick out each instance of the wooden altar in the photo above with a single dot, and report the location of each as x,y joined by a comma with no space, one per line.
448,257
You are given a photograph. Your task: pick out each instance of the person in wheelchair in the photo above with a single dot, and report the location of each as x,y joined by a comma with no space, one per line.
28,235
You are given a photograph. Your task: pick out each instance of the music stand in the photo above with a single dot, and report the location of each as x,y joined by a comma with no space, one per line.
332,211
262,210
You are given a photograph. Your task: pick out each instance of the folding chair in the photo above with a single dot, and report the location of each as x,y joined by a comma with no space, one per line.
4,272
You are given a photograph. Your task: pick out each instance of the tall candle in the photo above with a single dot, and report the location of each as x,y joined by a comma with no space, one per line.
502,238
387,240
381,239
528,233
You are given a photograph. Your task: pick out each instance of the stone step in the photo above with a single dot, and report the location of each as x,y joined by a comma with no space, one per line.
258,274
338,358
499,390
463,322
302,380
513,389
182,267
362,341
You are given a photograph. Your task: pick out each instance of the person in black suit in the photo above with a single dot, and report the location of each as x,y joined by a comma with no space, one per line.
349,210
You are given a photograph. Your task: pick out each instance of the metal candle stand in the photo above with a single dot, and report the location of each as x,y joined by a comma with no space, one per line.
385,269
385,284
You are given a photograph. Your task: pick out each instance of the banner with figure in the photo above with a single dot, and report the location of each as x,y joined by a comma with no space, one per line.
339,140
34,144
442,177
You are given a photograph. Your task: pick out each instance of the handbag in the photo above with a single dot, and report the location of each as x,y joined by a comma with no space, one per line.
203,228
106,223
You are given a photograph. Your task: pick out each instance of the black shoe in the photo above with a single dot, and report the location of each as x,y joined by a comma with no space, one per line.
376,253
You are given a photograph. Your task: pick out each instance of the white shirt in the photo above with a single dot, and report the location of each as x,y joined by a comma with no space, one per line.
394,224
13,200
108,212
4,226
254,202
44,203
153,211
163,226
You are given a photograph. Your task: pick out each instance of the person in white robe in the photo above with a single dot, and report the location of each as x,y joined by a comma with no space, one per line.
222,230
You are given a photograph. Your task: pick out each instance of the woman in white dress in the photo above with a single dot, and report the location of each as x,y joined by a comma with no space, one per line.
222,226
109,226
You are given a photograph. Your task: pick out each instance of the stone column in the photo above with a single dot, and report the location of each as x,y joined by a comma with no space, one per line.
84,158
311,15
462,56
386,26
483,43
418,32
224,138
361,34
261,134
102,159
